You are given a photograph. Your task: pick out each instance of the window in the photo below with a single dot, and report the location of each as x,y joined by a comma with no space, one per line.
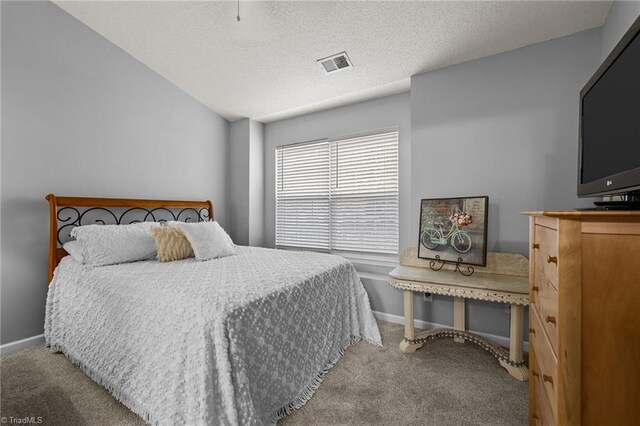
339,195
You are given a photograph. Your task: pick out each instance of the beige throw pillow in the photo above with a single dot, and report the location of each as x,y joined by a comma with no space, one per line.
171,243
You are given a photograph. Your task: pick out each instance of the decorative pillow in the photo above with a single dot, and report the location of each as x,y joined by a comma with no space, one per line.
111,244
171,244
208,239
75,250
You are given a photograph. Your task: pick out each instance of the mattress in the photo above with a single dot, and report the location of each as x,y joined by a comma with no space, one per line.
243,339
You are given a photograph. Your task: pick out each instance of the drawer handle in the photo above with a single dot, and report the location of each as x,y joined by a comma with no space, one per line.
535,288
535,417
532,330
547,378
534,374
551,319
535,246
552,259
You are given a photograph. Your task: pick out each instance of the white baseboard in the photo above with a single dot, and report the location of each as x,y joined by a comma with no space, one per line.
425,325
11,347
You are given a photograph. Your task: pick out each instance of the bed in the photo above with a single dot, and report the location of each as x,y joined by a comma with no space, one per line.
243,339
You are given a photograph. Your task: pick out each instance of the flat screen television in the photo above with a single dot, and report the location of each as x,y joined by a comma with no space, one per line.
609,150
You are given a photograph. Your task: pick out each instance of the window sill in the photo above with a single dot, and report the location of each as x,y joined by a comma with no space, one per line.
373,276
372,260
369,266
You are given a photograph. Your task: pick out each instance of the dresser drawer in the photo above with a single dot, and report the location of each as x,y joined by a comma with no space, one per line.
546,365
546,252
542,414
544,298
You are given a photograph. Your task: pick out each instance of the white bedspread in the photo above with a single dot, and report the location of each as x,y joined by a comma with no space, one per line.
239,340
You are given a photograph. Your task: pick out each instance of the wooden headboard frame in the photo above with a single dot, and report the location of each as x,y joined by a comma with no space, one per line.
57,253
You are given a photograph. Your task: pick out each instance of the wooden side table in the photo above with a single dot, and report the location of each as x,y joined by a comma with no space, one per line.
504,280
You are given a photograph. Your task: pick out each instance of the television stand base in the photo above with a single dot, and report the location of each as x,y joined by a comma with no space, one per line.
617,205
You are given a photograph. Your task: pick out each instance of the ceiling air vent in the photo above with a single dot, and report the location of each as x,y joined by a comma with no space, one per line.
335,63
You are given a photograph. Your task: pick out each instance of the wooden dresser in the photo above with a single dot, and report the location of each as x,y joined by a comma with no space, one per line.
584,318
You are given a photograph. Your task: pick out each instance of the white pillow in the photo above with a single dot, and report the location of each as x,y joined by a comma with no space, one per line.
111,244
208,239
74,249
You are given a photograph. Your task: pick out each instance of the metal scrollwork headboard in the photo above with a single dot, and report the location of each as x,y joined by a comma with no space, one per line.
65,213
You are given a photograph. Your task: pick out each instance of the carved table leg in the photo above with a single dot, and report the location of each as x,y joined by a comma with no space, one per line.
458,317
409,330
516,338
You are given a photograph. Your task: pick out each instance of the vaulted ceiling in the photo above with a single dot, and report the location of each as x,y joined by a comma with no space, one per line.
264,67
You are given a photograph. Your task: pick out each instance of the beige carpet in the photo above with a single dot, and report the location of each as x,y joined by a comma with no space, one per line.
444,383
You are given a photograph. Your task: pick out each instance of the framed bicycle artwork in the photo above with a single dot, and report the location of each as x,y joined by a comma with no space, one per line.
454,230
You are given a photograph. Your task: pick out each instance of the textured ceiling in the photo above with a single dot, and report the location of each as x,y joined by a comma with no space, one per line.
264,67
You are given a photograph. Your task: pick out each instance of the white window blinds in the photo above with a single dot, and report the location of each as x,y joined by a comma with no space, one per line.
364,194
302,195
339,195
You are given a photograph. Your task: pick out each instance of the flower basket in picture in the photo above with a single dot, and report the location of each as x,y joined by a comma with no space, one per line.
461,219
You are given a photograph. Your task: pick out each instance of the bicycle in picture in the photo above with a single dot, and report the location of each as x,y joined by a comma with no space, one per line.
460,240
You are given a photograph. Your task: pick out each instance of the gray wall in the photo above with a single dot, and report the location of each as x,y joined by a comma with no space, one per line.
256,183
505,126
621,15
238,182
246,182
82,117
